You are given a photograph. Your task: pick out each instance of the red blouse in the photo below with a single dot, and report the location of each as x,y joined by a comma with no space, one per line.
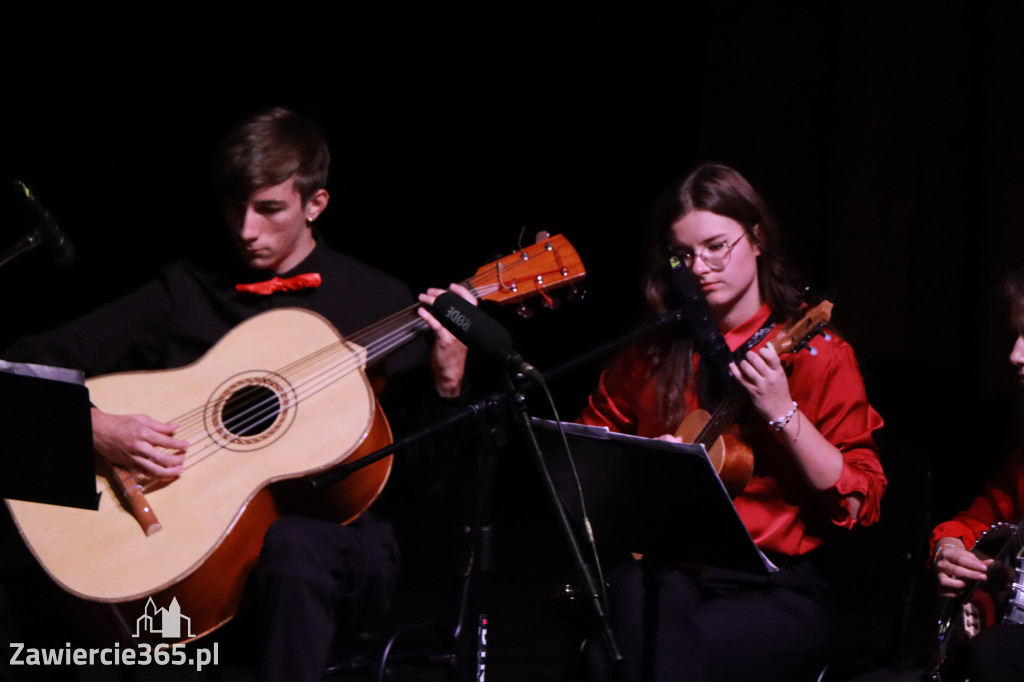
1001,501
781,511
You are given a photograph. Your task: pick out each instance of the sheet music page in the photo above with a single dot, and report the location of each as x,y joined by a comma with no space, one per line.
69,376
603,433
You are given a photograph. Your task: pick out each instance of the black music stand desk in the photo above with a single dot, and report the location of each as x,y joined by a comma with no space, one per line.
46,436
652,497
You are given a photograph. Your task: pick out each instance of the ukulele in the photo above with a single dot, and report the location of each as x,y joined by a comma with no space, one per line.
281,396
732,458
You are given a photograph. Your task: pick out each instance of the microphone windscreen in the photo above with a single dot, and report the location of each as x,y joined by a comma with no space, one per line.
472,326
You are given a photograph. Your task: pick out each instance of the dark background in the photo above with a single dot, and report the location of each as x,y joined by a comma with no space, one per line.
886,136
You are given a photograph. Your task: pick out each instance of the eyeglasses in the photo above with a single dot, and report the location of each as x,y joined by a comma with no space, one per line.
715,255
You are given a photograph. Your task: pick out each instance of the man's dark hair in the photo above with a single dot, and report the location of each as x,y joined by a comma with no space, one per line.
268,148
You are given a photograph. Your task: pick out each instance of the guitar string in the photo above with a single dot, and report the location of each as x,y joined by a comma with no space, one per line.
265,408
374,329
192,423
254,413
321,378
270,406
353,357
258,411
396,325
375,335
340,359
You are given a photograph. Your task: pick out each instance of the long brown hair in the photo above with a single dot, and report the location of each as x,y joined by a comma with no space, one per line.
724,191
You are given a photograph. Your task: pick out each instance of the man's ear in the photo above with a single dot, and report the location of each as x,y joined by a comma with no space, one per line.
316,204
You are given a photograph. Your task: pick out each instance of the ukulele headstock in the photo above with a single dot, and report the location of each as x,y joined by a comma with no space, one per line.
804,325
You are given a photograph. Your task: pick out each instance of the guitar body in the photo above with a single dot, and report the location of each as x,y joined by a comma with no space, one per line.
731,457
214,516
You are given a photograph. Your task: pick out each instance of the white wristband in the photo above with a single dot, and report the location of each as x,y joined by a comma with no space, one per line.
780,423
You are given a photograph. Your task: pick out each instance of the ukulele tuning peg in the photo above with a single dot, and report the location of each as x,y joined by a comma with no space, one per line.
826,336
576,293
541,236
812,350
524,311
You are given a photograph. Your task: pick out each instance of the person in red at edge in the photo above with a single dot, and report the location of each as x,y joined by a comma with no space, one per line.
997,653
810,426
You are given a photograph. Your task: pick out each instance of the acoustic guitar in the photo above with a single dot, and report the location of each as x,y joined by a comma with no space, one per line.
731,457
283,395
997,599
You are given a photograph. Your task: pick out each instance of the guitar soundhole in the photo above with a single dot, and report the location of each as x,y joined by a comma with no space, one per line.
250,411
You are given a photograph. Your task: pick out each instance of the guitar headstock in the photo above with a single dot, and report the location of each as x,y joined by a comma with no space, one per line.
549,264
803,326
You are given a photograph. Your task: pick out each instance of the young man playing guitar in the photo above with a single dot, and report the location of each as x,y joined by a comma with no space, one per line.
997,652
313,577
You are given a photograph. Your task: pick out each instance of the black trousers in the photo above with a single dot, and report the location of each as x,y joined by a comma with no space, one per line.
997,654
316,581
711,624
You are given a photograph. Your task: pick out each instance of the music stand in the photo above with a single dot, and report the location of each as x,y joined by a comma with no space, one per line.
652,497
46,436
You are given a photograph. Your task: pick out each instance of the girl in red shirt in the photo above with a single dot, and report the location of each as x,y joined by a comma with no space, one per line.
810,427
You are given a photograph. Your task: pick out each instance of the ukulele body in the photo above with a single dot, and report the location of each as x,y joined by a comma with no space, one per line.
731,457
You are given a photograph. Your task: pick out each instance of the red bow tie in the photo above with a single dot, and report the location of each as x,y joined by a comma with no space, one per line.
308,281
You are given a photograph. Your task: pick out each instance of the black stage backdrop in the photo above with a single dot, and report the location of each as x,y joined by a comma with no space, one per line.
887,137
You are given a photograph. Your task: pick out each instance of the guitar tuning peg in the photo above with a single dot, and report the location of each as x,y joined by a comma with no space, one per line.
524,311
826,336
542,235
812,350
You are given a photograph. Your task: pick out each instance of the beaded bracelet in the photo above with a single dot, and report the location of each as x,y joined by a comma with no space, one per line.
779,424
938,551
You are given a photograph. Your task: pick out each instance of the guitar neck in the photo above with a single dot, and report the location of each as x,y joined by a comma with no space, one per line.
394,331
549,264
723,416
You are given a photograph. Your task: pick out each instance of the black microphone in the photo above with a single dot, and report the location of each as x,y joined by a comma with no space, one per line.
478,330
44,229
715,356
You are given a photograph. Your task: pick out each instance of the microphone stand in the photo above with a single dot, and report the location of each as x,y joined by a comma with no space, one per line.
474,596
23,245
491,405
485,410
583,566
475,409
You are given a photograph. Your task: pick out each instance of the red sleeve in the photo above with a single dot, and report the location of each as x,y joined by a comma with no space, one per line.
830,391
611,403
626,399
1001,501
